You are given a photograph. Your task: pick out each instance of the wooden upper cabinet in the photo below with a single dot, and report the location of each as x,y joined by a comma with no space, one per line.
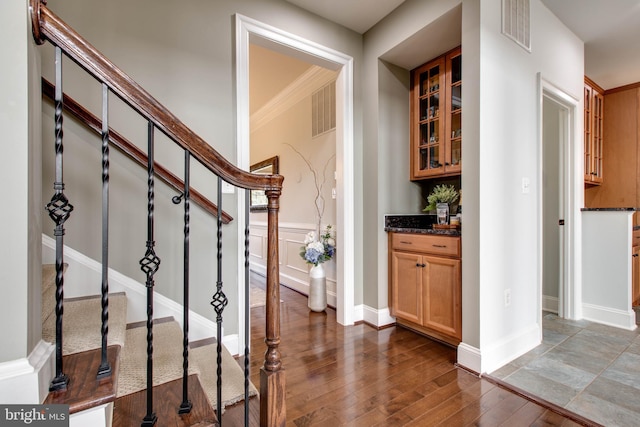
436,117
593,132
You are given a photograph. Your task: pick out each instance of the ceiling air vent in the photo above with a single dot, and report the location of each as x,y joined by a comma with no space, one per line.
516,22
323,110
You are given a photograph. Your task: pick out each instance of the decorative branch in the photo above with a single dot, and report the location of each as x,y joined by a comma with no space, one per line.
319,184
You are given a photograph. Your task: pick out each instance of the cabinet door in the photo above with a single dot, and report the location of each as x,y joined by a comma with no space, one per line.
406,287
588,156
597,113
442,295
427,121
453,121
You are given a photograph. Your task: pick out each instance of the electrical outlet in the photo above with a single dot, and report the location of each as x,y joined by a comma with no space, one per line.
507,297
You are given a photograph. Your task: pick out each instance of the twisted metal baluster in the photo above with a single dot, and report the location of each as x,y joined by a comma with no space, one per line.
149,265
219,302
185,406
104,370
247,308
59,210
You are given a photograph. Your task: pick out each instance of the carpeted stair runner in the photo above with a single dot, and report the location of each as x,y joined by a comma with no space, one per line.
82,320
167,364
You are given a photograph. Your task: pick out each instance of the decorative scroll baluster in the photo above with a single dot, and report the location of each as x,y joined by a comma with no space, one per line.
59,210
105,370
185,406
247,308
219,302
149,265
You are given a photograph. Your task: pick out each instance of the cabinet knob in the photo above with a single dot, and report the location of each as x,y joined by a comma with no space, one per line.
424,265
418,265
634,255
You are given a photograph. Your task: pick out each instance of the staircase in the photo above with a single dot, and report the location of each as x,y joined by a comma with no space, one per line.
89,377
122,397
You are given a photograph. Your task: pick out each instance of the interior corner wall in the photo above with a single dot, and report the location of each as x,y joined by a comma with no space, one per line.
505,120
386,185
21,272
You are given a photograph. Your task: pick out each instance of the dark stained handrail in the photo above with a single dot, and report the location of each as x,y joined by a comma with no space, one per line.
47,26
127,148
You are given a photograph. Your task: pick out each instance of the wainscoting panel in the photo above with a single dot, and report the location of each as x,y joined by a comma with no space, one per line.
294,271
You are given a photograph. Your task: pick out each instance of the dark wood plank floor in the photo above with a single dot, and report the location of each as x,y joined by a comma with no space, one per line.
359,376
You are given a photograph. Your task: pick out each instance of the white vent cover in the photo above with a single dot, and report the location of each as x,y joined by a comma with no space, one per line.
323,110
516,22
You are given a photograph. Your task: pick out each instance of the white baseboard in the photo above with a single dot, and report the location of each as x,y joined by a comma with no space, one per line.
501,353
358,313
470,357
377,317
550,304
27,380
625,319
84,272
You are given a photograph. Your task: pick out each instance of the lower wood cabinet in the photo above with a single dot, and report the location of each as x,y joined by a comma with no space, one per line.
425,284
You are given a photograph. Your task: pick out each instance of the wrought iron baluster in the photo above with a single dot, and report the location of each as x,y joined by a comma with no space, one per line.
219,302
247,308
59,210
105,369
185,406
149,265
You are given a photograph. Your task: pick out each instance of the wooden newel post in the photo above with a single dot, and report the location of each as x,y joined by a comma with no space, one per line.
272,378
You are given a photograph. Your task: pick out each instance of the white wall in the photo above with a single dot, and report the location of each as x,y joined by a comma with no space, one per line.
182,53
500,246
19,120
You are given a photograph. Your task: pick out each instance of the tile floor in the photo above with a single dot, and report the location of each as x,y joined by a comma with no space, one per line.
587,368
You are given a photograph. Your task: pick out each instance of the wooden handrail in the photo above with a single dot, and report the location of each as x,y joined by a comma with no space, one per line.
127,148
47,26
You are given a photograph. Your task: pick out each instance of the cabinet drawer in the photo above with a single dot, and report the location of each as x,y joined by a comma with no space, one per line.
427,243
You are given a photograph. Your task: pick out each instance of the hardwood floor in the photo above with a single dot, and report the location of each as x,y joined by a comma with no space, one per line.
359,376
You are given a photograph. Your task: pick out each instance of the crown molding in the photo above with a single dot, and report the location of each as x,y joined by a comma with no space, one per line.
312,79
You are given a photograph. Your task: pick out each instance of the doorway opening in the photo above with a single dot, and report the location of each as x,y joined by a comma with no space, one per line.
559,219
251,31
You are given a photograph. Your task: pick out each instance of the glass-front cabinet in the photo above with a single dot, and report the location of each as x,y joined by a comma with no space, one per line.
436,117
593,132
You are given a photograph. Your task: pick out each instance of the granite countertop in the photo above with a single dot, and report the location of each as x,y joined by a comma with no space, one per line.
416,224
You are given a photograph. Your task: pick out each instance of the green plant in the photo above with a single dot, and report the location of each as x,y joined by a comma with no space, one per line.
441,194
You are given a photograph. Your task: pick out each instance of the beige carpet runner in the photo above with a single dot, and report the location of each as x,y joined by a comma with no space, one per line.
81,331
167,364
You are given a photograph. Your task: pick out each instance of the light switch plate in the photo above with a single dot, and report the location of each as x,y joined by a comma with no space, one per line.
525,185
228,188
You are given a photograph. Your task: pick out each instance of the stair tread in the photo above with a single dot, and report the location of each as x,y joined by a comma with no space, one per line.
82,323
129,410
85,391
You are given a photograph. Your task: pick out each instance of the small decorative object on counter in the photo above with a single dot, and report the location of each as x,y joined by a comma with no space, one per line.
440,200
315,251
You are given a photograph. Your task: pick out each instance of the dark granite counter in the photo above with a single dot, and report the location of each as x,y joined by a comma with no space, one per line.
416,224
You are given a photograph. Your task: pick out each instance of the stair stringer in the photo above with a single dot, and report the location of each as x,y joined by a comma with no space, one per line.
83,271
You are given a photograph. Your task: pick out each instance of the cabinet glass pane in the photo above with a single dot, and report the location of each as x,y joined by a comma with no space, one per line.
430,157
430,133
456,126
456,69
456,97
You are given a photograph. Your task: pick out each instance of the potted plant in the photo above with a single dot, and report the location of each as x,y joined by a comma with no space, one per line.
440,199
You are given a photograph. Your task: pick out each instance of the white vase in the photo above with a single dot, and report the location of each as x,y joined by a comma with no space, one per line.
317,289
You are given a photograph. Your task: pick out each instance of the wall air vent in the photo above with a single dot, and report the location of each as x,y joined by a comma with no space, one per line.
323,110
516,22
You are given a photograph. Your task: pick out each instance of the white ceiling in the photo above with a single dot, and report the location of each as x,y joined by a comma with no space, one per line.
609,28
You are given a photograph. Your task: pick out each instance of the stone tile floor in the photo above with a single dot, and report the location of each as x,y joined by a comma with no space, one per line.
585,367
